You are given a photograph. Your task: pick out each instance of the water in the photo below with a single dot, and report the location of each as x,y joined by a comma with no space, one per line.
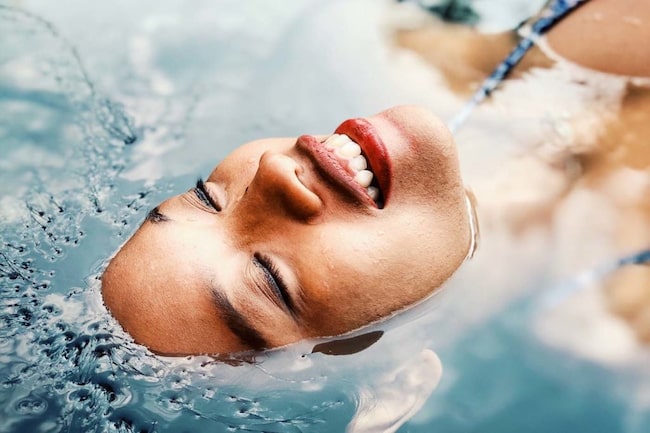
110,108
82,152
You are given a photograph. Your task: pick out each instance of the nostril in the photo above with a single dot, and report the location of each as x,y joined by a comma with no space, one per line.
279,177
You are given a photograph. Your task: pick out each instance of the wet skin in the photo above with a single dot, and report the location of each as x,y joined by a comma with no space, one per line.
280,246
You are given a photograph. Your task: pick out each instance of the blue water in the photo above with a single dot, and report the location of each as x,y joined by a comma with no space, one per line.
108,108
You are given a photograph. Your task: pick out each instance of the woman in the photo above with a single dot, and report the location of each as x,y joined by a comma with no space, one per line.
286,241
296,238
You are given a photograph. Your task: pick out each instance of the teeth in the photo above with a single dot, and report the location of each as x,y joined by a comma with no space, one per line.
373,192
358,163
348,150
364,178
336,140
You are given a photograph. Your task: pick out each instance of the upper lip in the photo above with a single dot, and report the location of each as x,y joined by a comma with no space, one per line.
365,135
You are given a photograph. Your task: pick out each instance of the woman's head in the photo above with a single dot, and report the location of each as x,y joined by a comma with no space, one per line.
282,243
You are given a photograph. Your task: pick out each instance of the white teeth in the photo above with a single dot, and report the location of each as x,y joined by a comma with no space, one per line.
336,140
364,178
358,163
373,192
348,150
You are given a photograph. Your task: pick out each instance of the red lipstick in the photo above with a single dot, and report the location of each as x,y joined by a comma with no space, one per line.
372,147
365,135
331,169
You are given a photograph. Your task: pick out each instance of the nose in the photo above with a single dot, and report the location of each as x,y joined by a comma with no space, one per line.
277,189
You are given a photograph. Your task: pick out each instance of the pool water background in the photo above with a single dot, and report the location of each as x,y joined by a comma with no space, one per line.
108,108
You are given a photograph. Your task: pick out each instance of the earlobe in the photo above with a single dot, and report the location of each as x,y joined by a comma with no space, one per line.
474,230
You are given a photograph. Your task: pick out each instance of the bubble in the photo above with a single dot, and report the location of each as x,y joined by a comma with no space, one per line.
79,395
30,406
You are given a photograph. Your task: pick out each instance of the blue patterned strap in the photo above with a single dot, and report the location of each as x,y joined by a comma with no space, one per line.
585,279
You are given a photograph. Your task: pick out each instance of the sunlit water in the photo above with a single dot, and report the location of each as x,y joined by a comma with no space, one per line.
108,108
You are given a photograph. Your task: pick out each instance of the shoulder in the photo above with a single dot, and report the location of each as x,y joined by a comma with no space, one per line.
606,35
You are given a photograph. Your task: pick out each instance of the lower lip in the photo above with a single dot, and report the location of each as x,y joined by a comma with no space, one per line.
332,169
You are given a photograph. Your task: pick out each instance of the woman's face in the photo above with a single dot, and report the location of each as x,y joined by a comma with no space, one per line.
285,240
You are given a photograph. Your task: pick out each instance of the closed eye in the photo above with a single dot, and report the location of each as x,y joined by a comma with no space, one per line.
203,194
275,280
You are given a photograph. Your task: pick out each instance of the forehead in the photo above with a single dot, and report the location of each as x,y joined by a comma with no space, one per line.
163,300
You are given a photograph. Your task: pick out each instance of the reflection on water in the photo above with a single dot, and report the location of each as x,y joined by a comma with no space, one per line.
109,109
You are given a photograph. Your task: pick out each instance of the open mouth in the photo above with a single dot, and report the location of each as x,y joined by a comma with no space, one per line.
355,159
373,149
352,158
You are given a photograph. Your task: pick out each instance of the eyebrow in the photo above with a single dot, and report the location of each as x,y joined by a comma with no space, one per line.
155,216
247,334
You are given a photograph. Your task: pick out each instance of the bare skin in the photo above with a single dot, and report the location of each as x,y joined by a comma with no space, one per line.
274,248
621,49
604,35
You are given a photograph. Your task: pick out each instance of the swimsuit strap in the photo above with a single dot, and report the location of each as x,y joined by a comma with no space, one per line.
560,292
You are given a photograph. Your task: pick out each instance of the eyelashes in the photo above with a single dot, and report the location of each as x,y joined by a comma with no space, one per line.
203,194
270,273
274,278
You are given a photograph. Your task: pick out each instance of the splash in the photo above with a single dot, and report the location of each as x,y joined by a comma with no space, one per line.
67,366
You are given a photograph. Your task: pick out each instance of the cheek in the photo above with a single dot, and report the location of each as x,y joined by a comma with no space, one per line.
399,258
360,276
428,176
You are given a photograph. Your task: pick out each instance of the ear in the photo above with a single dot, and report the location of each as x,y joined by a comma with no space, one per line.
348,346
